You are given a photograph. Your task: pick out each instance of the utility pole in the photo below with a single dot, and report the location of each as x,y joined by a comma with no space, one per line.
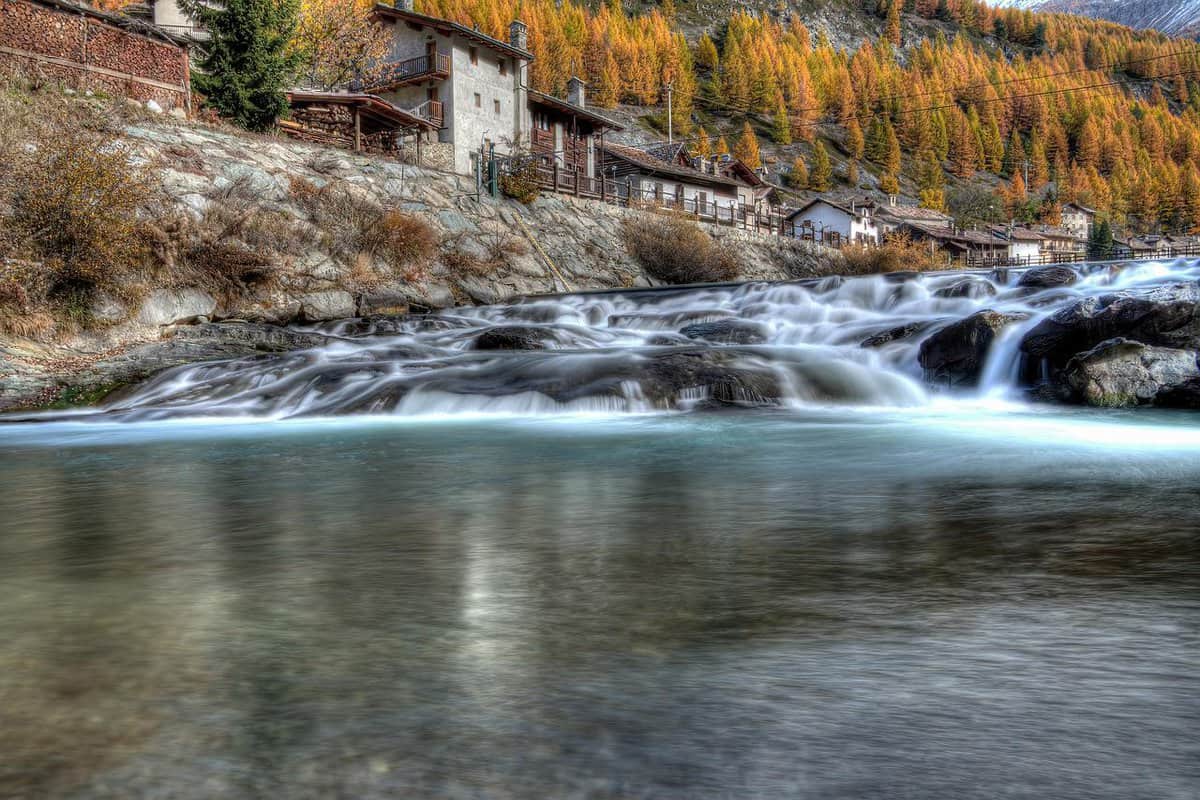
1027,174
670,126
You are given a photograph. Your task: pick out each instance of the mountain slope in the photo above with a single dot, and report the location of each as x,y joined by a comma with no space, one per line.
1174,17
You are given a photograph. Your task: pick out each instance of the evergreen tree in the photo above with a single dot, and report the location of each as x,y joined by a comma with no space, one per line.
703,145
248,64
746,149
820,177
781,127
855,144
889,183
706,53
1100,243
722,147
891,31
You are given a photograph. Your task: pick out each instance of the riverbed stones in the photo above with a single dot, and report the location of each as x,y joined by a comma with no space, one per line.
513,337
1079,327
1181,395
727,331
331,304
896,334
1122,372
956,353
969,286
1048,277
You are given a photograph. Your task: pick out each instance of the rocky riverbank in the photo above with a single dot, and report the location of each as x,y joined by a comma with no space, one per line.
210,180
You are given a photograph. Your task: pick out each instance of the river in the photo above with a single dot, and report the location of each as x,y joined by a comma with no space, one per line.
907,594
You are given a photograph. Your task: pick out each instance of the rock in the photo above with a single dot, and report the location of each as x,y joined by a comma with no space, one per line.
896,334
168,306
153,107
1079,327
1121,372
322,306
970,286
382,302
957,352
513,337
726,331
1181,395
1048,277
178,113
106,308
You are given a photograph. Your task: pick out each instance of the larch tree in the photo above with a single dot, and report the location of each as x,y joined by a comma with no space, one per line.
746,150
781,126
820,177
337,43
797,176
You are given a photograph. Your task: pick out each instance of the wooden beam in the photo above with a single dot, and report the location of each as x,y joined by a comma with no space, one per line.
357,130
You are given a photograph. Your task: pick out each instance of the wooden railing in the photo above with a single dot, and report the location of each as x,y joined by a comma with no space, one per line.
431,110
430,65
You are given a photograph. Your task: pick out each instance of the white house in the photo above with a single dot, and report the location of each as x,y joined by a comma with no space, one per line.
824,220
643,176
1025,246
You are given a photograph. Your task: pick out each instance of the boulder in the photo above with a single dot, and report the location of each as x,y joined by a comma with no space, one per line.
1122,372
382,302
322,306
1079,327
726,331
170,306
1181,395
957,352
513,337
1048,277
969,286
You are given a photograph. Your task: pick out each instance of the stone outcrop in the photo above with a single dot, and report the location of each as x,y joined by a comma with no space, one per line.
726,331
956,353
1049,277
1121,372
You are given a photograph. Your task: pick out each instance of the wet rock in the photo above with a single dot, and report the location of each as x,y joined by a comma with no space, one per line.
1181,395
168,306
1048,277
896,334
322,306
390,303
969,287
1079,327
513,337
669,377
1121,372
957,352
726,331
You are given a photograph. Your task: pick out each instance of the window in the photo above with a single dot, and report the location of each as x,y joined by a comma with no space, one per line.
496,104
478,100
541,121
503,65
474,55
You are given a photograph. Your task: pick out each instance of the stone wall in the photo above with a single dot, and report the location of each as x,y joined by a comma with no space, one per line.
87,49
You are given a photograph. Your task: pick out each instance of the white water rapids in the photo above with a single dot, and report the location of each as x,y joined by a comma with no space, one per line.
795,345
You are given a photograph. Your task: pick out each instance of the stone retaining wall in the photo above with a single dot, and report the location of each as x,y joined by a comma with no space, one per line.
87,49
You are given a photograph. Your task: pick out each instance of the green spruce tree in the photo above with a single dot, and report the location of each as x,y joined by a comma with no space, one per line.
247,66
820,177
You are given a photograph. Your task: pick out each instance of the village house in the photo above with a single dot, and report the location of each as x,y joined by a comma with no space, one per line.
168,16
566,139
975,247
890,216
1078,220
472,86
836,224
1060,244
1024,245
641,176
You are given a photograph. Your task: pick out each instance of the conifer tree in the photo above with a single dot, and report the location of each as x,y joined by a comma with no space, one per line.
746,149
889,183
722,147
820,177
855,144
781,127
706,53
852,172
248,63
797,176
703,146
892,27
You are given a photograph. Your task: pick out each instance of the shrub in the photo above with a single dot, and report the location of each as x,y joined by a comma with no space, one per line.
898,253
356,226
75,207
677,250
490,251
520,181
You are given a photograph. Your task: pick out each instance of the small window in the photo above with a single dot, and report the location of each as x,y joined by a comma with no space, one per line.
496,104
503,66
478,100
474,55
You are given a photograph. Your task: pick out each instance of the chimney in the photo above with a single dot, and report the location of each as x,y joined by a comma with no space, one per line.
518,34
892,200
577,92
404,5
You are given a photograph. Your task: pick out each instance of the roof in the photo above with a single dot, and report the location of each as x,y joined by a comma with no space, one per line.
955,236
670,152
446,26
916,213
832,204
1052,232
1082,208
649,164
570,108
1017,233
373,105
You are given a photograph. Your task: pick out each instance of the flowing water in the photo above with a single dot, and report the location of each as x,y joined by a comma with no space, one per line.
526,574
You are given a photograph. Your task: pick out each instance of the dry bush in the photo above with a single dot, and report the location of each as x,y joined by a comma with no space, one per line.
675,249
489,252
898,253
75,206
520,181
355,226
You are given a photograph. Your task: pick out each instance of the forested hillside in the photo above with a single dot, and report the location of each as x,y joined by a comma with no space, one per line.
1090,111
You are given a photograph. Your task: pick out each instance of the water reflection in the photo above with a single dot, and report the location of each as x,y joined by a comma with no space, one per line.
728,609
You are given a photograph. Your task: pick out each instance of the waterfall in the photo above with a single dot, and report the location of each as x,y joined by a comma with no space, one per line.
835,341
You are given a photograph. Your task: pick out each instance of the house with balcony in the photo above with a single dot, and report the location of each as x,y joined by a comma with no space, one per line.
834,223
1078,220
470,85
566,138
639,176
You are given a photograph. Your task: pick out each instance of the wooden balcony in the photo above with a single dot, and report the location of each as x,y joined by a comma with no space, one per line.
429,67
432,111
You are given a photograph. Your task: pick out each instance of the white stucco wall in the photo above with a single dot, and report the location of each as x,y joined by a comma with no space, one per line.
1024,250
825,217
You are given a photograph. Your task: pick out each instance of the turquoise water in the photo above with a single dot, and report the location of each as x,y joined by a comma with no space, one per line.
951,601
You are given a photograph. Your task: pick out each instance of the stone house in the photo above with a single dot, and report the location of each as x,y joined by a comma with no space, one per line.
834,223
641,176
1078,220
1024,245
566,138
892,215
472,85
